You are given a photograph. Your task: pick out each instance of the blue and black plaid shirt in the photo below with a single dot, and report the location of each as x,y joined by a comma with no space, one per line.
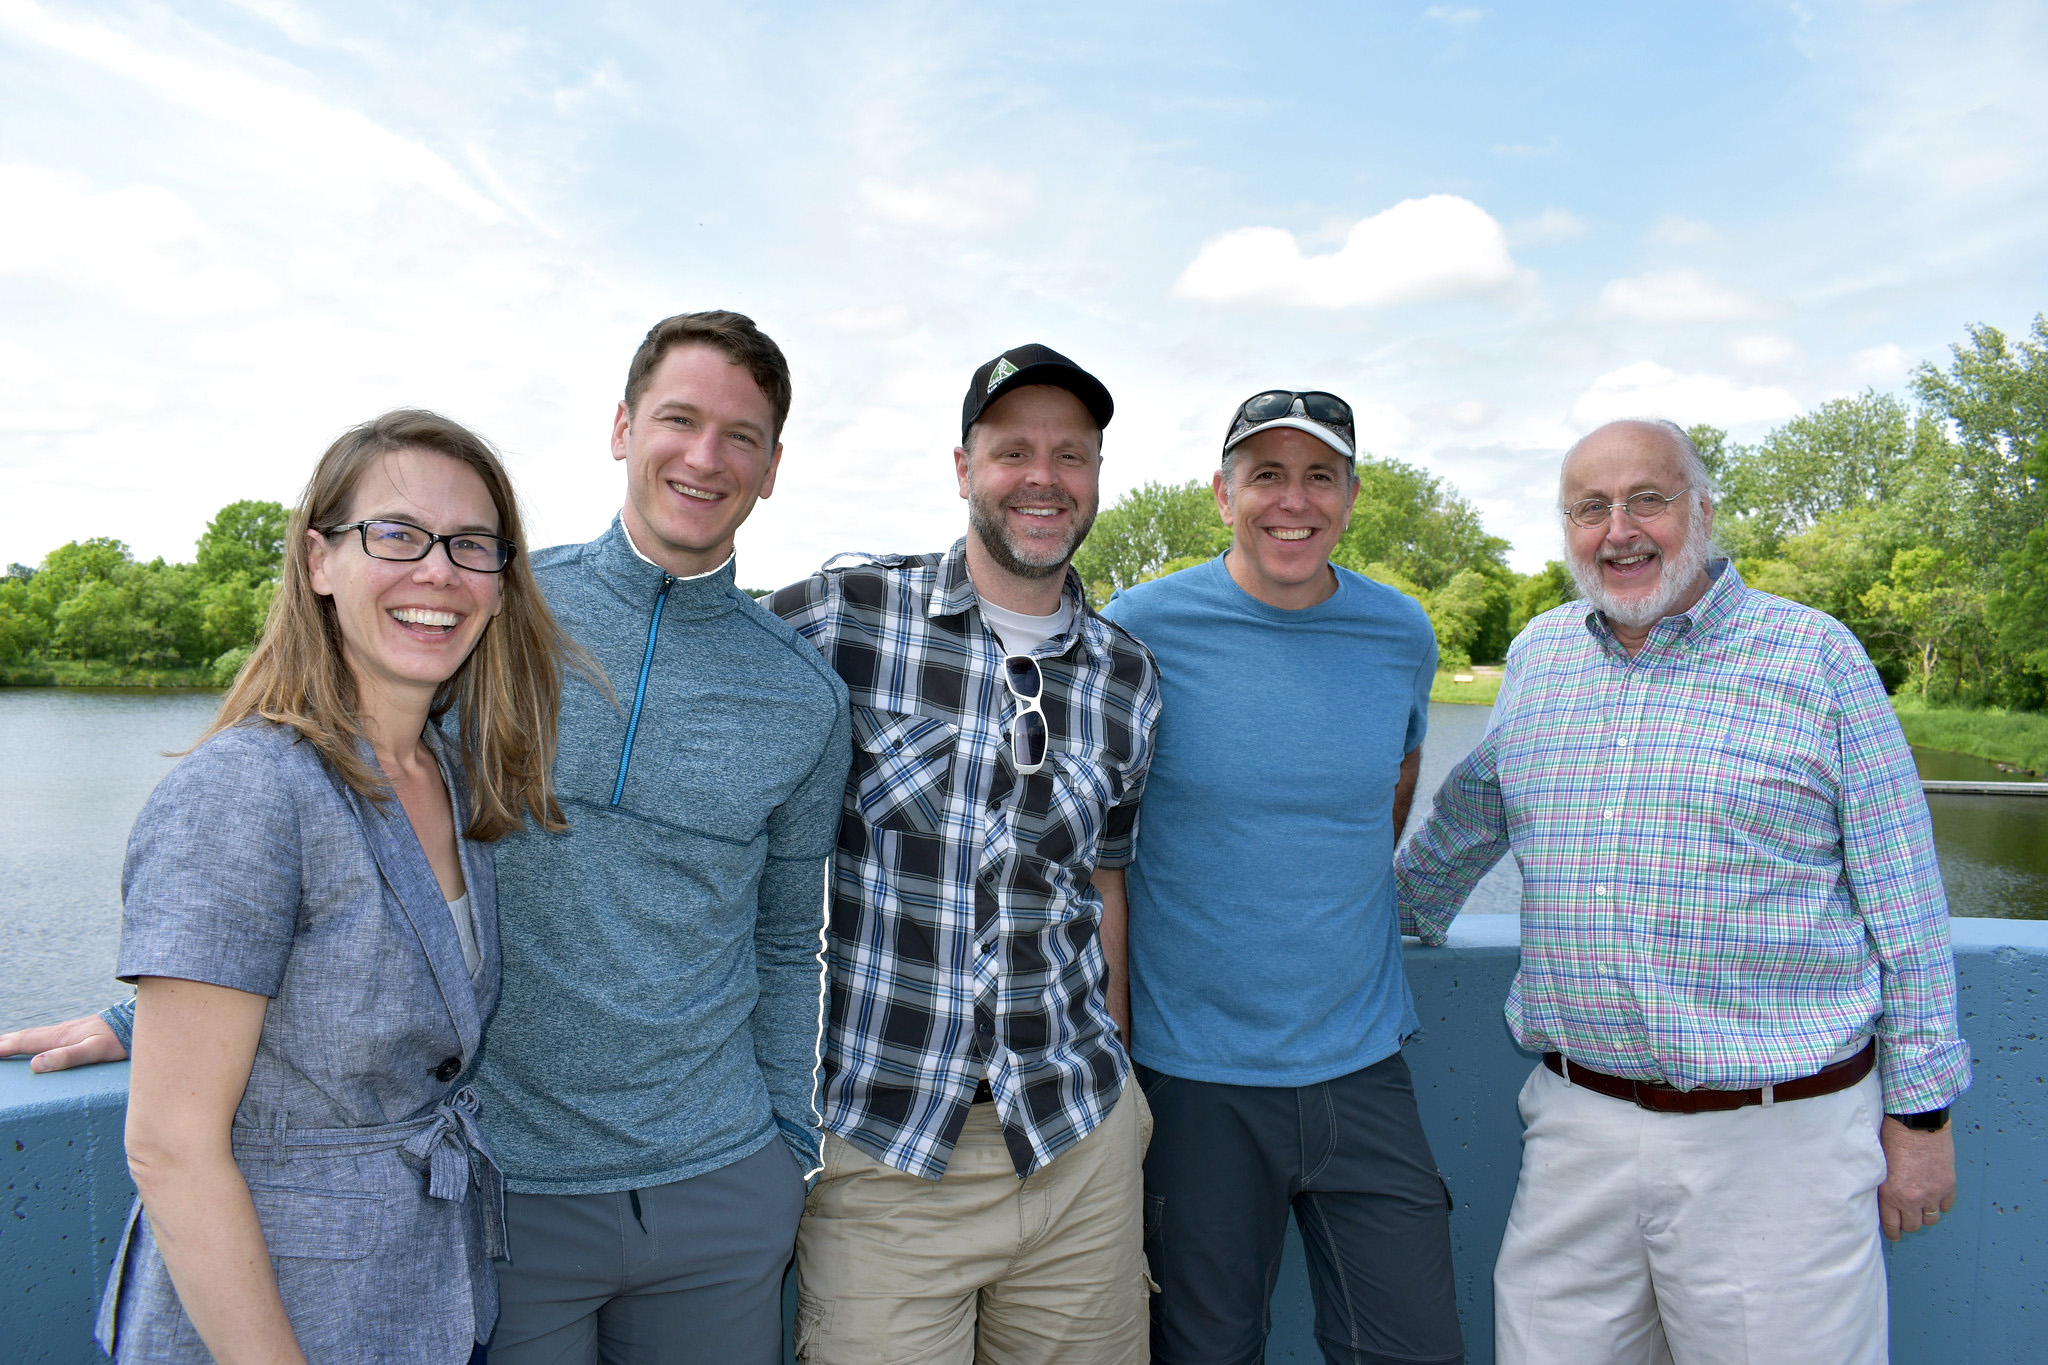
963,937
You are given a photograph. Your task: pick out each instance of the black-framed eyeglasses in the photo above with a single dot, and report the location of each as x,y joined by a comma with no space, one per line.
405,542
1325,408
1643,506
1027,731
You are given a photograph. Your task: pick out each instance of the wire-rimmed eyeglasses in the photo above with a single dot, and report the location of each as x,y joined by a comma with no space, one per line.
1643,506
405,542
1027,731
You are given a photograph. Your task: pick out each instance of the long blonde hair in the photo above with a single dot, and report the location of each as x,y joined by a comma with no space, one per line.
508,692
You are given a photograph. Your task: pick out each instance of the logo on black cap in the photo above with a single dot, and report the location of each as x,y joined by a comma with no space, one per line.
1032,364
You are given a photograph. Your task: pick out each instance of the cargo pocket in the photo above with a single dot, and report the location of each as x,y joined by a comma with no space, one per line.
321,1225
902,769
813,1320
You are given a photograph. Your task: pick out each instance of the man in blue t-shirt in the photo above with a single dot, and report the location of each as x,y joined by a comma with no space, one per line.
1268,1002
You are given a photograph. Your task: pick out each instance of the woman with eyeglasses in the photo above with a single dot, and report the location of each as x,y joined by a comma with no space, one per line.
309,918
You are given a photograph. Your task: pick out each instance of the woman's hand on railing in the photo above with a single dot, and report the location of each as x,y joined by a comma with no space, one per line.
59,1047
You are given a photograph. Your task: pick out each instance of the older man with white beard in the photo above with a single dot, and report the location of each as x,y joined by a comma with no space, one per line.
1735,954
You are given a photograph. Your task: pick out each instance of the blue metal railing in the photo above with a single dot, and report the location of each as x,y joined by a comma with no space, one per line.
1967,1291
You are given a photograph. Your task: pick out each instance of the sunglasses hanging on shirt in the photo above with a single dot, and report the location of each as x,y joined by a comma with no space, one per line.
1027,730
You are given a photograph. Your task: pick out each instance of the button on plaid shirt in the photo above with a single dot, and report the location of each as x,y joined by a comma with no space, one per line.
963,933
1728,871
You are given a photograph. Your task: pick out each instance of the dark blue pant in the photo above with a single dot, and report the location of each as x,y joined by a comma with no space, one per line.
688,1272
1349,1157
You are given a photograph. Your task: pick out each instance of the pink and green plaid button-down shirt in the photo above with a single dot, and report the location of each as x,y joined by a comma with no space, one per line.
1728,872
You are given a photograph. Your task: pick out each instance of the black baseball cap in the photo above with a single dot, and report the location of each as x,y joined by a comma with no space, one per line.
1032,364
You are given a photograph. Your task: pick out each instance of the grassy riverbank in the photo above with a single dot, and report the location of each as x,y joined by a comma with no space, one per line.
93,673
1480,691
2019,738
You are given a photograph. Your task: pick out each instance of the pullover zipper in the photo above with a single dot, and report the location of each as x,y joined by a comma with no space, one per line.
640,692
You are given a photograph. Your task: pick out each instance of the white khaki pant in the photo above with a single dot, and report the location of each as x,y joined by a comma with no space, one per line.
980,1266
1640,1238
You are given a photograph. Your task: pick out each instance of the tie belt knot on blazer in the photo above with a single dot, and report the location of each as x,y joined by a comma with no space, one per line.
445,1143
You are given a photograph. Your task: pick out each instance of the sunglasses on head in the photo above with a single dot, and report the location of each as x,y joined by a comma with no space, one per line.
1326,408
1027,731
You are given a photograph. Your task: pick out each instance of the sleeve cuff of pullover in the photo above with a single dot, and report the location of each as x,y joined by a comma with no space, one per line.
121,1019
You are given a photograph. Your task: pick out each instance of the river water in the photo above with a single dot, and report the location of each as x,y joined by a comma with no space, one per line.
76,766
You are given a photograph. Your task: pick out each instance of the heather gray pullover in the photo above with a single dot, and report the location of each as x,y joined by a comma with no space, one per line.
662,979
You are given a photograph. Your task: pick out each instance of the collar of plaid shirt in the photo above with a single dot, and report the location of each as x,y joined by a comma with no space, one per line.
964,935
953,594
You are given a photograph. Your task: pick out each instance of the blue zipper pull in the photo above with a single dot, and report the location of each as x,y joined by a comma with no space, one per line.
640,692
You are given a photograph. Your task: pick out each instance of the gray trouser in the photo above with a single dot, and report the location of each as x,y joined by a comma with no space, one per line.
694,1274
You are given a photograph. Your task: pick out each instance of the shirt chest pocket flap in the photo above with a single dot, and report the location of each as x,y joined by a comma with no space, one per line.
1077,793
902,769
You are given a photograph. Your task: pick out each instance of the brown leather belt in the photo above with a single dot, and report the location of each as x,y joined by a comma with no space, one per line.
1667,1099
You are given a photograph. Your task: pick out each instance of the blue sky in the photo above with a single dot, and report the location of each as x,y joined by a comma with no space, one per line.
230,228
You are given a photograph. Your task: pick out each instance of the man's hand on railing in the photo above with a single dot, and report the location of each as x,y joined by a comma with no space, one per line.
58,1047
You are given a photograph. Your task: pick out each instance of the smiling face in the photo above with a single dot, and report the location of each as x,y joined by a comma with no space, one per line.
699,449
1031,482
1287,499
407,627
1635,572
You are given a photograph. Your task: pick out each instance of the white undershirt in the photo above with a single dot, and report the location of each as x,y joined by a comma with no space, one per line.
1021,634
679,577
458,909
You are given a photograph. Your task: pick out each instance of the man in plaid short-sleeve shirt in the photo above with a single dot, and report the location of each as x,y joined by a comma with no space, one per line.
981,1192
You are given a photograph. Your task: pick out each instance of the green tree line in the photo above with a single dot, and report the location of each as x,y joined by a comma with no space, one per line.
1921,525
91,612
1409,529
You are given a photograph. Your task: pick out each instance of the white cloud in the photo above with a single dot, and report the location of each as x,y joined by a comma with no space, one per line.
969,202
1948,102
1551,225
1435,247
1673,230
306,141
1882,365
142,247
1527,151
1763,349
1466,415
1647,389
889,319
1457,16
1674,296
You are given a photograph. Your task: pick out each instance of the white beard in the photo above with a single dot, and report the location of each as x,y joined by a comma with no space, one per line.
1675,575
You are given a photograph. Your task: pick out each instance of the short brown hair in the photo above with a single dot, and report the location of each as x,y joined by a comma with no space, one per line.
732,335
508,690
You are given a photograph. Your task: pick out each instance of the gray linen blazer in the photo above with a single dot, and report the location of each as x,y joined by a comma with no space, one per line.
254,867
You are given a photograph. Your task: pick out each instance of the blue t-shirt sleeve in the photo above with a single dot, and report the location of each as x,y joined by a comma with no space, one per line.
1425,676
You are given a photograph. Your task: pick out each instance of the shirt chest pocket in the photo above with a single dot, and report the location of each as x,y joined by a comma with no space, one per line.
1775,793
902,770
1065,806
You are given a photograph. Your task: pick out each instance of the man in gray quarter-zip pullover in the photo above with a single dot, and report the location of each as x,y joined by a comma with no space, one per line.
658,1025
